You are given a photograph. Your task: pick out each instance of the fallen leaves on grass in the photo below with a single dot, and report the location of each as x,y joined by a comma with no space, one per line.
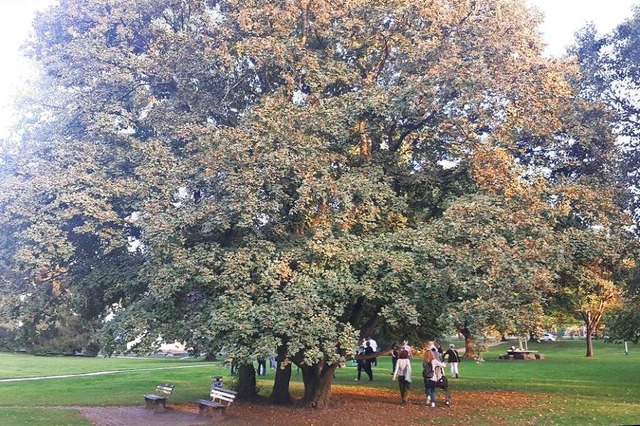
355,406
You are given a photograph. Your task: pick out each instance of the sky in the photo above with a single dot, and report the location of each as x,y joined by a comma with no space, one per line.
15,25
562,19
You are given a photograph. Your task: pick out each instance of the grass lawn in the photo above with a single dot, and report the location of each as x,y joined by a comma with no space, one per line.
603,390
41,417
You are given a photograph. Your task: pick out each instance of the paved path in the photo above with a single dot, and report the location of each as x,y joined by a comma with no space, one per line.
138,416
100,373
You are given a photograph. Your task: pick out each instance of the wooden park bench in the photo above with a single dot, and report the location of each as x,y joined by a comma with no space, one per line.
221,398
158,401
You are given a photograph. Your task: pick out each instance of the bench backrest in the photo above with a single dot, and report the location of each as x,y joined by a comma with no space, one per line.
164,389
223,396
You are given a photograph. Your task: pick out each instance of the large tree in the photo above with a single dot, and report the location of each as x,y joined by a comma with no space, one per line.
277,175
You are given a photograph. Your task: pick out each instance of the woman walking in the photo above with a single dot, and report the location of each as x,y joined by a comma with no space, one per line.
403,374
432,371
452,357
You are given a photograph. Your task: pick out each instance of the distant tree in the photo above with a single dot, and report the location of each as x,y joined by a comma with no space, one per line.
624,323
501,266
610,76
593,284
610,68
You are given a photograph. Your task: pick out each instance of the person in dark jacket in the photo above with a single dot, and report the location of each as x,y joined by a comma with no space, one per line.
368,350
452,358
262,366
394,357
365,364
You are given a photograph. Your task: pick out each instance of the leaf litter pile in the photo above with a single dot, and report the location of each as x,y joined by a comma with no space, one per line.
382,407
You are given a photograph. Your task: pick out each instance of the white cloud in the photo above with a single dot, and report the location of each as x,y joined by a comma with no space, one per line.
562,18
16,19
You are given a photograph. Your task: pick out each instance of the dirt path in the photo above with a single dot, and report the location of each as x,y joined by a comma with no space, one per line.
379,407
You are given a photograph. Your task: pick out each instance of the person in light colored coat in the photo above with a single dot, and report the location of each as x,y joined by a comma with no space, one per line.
403,375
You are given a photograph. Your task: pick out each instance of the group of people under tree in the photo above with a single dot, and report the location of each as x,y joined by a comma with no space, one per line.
432,371
433,367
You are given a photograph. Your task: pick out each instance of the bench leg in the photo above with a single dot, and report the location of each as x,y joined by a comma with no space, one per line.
161,406
157,405
202,410
214,413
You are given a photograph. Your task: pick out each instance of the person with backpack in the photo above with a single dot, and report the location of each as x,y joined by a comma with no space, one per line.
402,373
452,358
433,375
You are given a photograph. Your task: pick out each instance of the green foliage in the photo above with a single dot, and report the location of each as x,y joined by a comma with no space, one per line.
624,324
500,263
261,175
609,64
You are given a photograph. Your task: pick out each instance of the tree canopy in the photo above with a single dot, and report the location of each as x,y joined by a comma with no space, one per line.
291,176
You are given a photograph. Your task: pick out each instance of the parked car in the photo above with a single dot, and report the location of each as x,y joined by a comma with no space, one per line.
548,337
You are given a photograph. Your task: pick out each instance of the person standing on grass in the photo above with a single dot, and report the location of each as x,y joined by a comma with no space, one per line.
262,366
365,364
432,371
452,357
394,357
272,362
368,350
402,373
374,346
427,375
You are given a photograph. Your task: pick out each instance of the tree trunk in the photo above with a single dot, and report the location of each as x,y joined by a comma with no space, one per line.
247,381
592,321
589,342
469,344
317,384
280,393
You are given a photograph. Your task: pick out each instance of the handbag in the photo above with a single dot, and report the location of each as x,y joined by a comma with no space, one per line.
442,382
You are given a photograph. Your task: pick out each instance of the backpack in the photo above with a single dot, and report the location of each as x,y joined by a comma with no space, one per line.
427,370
